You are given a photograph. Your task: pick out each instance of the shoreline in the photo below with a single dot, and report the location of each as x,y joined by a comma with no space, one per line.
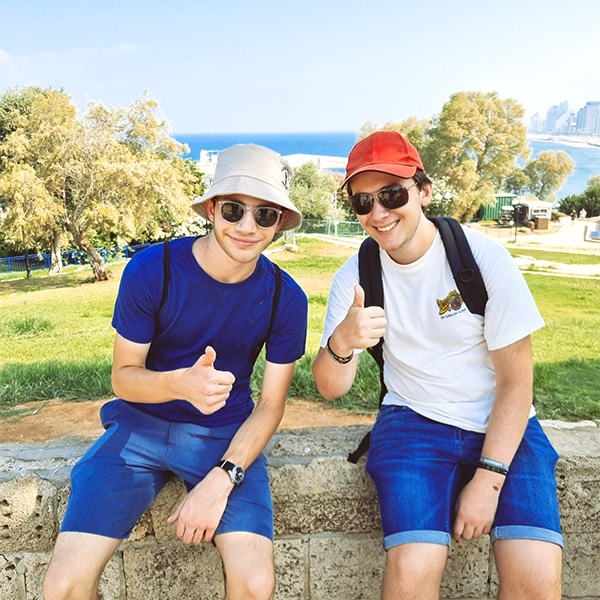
586,141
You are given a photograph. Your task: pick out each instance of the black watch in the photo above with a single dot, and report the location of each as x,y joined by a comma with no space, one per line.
235,472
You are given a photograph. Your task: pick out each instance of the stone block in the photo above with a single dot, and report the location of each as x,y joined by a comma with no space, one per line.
291,569
348,567
467,571
581,565
173,572
326,494
27,515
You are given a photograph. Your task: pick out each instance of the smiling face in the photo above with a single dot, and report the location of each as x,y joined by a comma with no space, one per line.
404,233
242,241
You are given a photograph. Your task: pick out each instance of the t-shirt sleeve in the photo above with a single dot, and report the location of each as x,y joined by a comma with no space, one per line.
137,302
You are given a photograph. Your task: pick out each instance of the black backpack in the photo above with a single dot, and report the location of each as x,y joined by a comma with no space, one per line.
165,291
466,274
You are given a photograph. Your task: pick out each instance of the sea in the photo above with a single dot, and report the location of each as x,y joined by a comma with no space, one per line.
339,144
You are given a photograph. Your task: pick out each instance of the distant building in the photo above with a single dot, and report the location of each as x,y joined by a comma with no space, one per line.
588,119
560,120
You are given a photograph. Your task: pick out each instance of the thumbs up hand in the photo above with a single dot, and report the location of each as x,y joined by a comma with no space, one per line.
362,327
204,386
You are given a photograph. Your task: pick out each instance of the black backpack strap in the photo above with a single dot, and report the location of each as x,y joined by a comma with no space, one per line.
464,268
276,295
166,274
166,280
369,275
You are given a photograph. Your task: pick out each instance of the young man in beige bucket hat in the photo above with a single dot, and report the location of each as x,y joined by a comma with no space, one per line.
182,371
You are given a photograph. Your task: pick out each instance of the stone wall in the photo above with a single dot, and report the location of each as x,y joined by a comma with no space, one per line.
328,541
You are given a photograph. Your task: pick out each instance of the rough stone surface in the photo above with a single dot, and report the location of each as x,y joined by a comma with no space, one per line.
328,538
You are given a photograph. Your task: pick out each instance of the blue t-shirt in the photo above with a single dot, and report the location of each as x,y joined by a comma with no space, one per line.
199,311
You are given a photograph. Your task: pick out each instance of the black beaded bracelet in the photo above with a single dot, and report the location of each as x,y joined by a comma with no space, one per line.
489,464
343,360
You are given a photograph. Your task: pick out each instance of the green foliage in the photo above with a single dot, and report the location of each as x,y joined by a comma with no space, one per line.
112,172
589,200
313,192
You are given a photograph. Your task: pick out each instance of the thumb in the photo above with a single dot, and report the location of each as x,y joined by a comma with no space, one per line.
359,297
208,358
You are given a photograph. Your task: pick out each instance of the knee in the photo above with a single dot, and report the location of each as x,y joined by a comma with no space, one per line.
256,585
59,585
56,586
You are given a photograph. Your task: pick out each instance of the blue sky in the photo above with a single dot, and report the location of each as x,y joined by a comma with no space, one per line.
303,65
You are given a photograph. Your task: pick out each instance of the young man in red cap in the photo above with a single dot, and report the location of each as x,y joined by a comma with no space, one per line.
182,371
456,451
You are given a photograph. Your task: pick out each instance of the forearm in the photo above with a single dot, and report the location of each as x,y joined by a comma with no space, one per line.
332,378
514,394
252,437
507,422
138,384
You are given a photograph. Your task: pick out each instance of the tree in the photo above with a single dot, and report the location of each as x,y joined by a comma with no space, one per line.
473,144
589,199
313,192
111,172
547,173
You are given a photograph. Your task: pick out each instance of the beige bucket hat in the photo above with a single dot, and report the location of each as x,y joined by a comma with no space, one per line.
253,171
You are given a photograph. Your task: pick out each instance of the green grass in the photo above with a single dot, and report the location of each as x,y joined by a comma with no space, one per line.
57,338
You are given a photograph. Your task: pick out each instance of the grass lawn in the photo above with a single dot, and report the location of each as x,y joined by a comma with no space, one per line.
57,338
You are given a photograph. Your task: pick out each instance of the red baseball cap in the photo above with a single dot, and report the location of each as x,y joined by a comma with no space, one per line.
386,152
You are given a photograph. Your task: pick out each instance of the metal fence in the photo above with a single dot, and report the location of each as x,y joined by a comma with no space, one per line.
42,261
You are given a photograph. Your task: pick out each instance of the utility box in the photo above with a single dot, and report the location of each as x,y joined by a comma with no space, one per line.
541,222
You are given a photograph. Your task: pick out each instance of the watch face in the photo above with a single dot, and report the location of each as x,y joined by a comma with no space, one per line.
235,472
237,475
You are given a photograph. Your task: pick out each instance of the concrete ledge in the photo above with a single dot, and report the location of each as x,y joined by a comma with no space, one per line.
328,539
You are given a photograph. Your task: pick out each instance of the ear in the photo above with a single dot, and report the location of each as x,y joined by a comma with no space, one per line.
284,217
426,194
210,210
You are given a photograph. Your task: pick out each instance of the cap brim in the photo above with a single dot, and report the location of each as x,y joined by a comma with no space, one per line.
403,171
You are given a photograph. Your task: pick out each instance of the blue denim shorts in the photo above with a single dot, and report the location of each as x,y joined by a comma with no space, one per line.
420,466
121,474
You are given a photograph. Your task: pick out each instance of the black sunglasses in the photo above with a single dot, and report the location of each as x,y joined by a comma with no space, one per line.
264,216
390,198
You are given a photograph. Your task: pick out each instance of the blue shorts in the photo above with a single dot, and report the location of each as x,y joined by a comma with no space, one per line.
118,478
420,466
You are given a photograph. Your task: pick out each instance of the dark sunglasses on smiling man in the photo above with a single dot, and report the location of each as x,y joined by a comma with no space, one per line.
389,197
264,216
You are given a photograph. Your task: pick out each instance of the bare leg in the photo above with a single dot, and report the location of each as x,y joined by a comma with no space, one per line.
528,569
249,567
414,571
76,565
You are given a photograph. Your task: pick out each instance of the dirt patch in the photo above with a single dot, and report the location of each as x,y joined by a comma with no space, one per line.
53,419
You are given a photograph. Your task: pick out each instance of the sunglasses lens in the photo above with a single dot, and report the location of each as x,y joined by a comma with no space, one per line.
232,212
266,216
393,197
361,203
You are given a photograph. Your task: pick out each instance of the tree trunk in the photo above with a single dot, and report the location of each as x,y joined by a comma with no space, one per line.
55,256
101,272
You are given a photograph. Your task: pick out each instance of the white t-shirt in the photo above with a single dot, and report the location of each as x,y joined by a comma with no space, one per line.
436,352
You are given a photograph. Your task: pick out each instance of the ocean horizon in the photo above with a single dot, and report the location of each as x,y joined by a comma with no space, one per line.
339,144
